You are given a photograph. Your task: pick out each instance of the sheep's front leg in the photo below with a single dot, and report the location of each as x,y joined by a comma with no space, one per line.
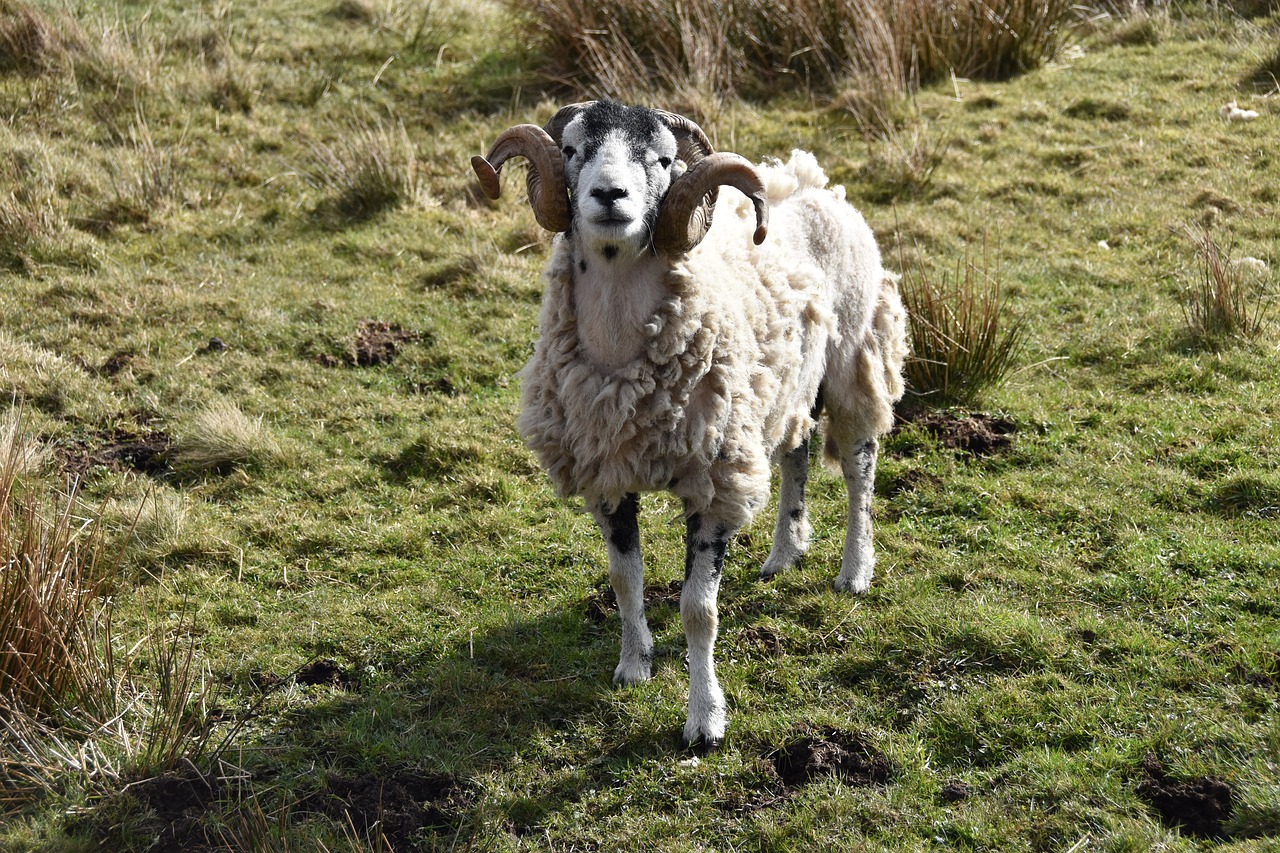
705,545
791,535
621,530
859,466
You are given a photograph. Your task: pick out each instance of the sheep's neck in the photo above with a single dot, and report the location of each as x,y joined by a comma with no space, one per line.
615,297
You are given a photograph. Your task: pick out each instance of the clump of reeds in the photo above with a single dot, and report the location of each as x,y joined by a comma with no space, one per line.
964,340
370,169
67,706
1225,300
624,47
53,572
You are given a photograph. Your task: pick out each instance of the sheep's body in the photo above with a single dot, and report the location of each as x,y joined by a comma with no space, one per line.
731,361
667,361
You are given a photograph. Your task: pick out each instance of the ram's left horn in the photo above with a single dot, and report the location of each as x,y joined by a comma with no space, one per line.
683,220
548,195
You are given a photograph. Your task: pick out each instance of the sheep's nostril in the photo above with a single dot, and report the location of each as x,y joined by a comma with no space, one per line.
609,196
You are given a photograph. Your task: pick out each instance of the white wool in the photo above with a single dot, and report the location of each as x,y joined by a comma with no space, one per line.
732,358
1232,112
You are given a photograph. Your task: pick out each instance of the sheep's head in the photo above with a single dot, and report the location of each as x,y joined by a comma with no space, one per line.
623,176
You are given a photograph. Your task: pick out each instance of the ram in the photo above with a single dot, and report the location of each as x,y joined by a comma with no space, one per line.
699,314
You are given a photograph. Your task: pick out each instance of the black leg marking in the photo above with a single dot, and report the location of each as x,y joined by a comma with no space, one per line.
624,528
817,402
868,452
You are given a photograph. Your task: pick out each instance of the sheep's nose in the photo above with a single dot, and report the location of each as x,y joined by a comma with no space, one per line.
608,196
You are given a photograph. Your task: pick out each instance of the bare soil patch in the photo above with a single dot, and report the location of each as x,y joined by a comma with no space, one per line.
1197,807
406,807
145,453
378,342
180,800
829,752
327,672
977,433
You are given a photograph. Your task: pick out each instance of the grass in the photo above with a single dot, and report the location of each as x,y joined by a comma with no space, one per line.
626,46
963,343
369,623
1225,301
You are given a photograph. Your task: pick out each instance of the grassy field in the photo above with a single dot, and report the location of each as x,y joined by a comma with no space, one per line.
249,300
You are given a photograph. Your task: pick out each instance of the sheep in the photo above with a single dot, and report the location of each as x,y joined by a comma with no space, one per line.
670,362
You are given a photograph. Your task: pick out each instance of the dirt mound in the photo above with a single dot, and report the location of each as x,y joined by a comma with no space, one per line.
326,671
180,800
829,752
403,806
1198,807
145,453
378,342
977,433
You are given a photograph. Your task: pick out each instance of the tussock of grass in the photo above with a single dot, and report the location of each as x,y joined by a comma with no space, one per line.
106,56
33,228
371,168
220,437
902,162
1224,301
962,340
626,46
53,572
157,521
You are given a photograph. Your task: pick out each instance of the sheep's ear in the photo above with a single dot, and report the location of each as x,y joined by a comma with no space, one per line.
685,216
548,195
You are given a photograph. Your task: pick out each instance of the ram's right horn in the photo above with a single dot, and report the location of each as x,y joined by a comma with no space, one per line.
683,220
548,195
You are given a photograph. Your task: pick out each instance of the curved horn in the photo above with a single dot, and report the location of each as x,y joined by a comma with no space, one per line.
545,180
564,115
692,143
683,219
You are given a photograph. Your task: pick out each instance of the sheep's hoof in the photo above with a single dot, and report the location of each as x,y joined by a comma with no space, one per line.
701,743
857,584
629,676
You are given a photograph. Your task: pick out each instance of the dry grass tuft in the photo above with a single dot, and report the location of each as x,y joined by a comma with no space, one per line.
107,56
371,169
53,574
1225,301
624,47
962,342
902,161
220,437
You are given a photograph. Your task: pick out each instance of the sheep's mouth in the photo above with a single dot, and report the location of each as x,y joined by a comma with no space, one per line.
613,220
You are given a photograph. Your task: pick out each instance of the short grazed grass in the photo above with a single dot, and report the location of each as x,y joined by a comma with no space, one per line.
395,637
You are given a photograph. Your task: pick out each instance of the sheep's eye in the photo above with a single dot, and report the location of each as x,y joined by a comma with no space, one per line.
664,162
569,151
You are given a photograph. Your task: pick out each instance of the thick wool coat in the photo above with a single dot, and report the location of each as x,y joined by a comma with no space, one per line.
733,360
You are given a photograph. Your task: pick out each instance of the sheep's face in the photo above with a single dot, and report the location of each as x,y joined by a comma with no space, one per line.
619,163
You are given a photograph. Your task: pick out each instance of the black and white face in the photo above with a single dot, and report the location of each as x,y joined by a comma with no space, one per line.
619,163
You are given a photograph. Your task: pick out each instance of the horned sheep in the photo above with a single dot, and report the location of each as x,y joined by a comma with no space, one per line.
681,350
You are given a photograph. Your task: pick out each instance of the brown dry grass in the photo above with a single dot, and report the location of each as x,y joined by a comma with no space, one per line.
624,47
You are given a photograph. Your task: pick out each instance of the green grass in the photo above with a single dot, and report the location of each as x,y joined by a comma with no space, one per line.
1043,617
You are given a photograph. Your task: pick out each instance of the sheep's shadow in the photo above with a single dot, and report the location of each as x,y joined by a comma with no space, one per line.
474,703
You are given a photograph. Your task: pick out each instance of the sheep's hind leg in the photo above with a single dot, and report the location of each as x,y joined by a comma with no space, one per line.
859,465
791,535
705,545
621,530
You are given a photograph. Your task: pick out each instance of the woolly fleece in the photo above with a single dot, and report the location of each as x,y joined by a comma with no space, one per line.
733,359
